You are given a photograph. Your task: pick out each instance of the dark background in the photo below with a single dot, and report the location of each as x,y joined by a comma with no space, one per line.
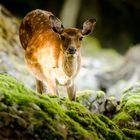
118,21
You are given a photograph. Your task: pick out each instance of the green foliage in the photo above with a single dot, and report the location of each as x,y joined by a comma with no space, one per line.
90,46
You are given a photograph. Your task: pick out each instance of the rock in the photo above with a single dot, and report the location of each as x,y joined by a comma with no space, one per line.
126,74
25,114
94,65
94,101
11,52
110,106
128,112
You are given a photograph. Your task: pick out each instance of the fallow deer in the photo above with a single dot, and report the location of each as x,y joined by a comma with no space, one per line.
52,52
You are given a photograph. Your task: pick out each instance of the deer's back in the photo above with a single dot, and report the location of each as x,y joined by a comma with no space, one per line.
33,22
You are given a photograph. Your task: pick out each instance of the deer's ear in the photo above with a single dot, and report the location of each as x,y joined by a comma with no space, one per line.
88,26
56,24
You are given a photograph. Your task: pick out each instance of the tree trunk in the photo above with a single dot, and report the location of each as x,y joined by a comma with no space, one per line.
70,12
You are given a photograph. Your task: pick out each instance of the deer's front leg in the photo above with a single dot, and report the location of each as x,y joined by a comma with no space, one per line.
71,90
52,86
51,81
40,87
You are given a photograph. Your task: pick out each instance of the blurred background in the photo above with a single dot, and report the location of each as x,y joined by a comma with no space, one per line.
107,64
118,21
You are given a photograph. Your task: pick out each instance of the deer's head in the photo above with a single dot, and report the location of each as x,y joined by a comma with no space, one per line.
71,37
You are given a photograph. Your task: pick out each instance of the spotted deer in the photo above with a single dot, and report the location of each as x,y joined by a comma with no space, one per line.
52,52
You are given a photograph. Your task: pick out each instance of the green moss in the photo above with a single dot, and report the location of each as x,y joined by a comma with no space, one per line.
130,93
134,134
114,135
128,116
98,125
88,93
44,114
130,102
100,94
113,130
8,84
121,116
29,115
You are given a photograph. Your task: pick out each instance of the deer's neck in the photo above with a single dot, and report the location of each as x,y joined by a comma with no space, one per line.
70,65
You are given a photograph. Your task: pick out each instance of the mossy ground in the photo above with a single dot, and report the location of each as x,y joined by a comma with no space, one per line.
128,116
25,114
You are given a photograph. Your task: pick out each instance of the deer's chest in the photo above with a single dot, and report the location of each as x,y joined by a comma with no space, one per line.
66,70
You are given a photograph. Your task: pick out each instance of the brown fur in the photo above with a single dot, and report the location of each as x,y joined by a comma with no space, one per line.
47,50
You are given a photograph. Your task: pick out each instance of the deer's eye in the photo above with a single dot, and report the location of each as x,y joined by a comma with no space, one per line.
62,37
80,38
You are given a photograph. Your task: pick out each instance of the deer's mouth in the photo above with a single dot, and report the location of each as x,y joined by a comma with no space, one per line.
67,54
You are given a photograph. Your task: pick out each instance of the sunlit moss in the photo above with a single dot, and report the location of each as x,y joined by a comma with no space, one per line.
29,115
128,116
121,116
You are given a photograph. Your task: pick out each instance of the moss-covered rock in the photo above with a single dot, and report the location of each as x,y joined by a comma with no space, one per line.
94,101
128,116
25,114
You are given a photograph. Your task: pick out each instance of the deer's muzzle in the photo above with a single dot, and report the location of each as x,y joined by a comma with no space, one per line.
72,50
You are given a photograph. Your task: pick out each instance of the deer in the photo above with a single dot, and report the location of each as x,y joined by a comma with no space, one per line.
52,52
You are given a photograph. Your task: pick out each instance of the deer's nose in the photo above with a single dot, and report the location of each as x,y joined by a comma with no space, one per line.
72,50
